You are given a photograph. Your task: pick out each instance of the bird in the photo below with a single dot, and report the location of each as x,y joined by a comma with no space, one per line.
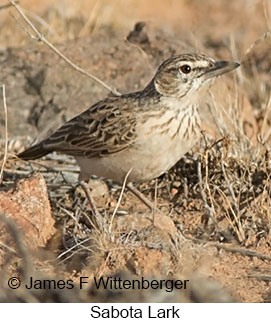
142,133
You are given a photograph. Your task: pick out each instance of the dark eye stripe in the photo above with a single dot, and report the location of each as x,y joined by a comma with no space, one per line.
193,69
172,69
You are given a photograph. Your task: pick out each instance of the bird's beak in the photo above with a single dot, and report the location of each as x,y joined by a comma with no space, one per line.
220,68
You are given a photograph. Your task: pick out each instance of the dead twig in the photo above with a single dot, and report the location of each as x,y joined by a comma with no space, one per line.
155,200
262,38
6,131
119,199
202,193
40,21
5,6
39,37
78,244
263,277
235,210
99,220
241,251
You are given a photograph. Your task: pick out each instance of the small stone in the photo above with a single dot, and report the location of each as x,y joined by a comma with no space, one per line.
98,188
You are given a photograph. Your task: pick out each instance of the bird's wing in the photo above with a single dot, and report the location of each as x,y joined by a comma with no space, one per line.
103,129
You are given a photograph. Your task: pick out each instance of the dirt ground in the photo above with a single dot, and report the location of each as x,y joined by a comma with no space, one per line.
212,222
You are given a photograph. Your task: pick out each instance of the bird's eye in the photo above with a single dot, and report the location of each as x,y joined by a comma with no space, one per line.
185,69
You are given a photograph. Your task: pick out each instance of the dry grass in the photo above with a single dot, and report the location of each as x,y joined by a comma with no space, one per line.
217,195
6,131
66,19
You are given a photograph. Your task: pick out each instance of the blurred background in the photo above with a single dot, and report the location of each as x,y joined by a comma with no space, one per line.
104,38
67,19
89,29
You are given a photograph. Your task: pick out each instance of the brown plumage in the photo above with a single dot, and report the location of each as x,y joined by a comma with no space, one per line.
146,131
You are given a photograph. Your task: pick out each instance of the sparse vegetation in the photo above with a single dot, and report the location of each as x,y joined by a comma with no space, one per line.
217,198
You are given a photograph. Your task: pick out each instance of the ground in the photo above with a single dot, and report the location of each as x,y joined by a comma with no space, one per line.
212,221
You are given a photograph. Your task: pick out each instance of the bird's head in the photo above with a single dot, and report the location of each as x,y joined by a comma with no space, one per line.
188,74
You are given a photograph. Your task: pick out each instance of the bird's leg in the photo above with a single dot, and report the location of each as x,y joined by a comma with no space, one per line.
98,218
140,196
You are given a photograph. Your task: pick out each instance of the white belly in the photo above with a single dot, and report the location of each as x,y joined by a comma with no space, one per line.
156,150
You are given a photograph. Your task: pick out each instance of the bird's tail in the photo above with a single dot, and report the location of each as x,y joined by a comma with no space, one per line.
34,152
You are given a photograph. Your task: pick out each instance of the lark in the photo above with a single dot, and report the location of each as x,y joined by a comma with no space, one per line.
144,133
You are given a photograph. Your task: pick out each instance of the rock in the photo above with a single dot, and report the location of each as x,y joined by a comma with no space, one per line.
28,205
